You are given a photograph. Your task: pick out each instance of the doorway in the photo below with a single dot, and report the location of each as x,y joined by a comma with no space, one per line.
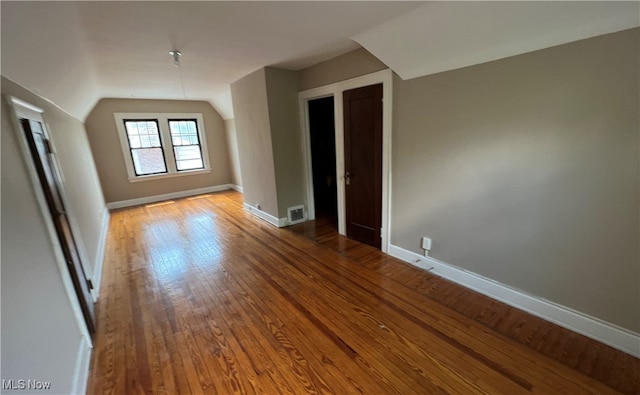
323,159
384,77
39,147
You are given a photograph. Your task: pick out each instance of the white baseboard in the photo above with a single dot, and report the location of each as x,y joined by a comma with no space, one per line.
592,327
99,260
237,188
81,370
279,222
166,196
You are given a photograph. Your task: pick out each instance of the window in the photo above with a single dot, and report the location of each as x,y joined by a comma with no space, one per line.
186,144
162,145
145,147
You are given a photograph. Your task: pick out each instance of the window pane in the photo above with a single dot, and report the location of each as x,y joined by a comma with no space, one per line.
144,141
183,132
175,128
178,140
134,141
152,127
155,141
148,161
191,164
132,128
188,158
143,134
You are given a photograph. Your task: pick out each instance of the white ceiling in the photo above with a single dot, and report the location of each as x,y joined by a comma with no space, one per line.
75,53
128,42
442,36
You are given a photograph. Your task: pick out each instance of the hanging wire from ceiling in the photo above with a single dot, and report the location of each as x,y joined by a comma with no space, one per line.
176,62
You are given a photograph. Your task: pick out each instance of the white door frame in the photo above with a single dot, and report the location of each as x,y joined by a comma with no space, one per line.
385,77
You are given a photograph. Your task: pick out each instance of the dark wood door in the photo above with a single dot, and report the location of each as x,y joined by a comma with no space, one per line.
51,184
363,163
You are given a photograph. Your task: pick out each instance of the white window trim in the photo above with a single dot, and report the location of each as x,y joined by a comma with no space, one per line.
165,139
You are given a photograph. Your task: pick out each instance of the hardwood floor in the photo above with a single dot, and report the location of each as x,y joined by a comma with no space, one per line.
198,297
617,369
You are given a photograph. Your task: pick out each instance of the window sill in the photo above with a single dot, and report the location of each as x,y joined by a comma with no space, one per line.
152,177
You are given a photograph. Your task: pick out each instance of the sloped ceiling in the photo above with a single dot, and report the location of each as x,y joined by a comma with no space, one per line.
43,50
441,36
74,53
122,47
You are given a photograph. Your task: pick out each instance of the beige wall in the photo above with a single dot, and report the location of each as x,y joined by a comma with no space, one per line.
268,127
265,104
251,112
232,147
81,184
526,171
343,67
40,334
282,95
107,152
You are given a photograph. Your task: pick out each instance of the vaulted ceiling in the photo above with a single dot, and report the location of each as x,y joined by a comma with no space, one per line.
74,53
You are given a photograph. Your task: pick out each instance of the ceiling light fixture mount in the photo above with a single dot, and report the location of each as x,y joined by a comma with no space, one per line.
176,57
176,62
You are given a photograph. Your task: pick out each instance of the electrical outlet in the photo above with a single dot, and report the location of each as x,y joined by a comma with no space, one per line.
426,243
